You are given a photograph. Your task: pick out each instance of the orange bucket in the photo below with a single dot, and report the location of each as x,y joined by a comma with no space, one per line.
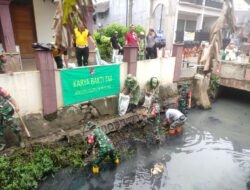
178,129
171,131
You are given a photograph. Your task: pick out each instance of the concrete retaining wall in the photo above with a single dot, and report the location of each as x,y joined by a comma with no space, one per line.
162,68
233,75
25,87
234,71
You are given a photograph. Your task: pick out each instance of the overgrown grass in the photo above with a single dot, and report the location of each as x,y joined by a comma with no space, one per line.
27,167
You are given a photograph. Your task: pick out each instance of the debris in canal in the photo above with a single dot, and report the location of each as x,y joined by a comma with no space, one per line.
157,169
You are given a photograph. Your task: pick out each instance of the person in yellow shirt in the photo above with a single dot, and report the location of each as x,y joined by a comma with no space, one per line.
82,46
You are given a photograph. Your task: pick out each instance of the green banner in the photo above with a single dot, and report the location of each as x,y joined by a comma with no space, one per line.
87,83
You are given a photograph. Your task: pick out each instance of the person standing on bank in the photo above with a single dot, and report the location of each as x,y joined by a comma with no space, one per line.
142,43
151,46
115,46
81,41
132,37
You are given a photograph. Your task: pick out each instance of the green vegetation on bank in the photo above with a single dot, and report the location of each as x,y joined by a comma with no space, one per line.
25,168
103,36
213,86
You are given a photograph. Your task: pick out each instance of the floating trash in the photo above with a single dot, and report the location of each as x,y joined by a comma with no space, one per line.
157,169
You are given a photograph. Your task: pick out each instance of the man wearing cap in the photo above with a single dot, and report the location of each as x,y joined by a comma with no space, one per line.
115,46
142,43
131,37
100,139
151,88
131,87
82,45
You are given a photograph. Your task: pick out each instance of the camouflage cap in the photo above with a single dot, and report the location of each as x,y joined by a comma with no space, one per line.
130,78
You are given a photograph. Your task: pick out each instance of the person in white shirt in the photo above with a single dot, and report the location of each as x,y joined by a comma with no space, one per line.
174,117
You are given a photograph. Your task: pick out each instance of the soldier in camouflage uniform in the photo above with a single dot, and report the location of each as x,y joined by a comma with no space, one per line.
132,88
6,116
152,87
153,116
100,139
184,100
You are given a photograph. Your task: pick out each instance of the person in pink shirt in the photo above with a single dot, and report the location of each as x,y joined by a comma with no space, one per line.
131,37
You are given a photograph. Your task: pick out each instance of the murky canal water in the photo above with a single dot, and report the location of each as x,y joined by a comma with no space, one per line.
213,153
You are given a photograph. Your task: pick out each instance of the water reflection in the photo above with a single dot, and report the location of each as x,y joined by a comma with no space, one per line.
213,153
198,161
195,160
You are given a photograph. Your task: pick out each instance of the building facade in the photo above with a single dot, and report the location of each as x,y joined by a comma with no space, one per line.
23,22
28,22
172,17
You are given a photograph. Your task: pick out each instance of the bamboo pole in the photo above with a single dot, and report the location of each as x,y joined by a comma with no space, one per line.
22,122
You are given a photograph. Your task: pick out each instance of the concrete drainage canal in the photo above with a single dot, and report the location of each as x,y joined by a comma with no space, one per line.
213,152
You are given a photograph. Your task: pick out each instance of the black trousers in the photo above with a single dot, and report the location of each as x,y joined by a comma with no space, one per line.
150,53
59,62
82,56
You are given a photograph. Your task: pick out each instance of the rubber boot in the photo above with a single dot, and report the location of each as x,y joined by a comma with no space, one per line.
178,129
117,161
95,169
171,131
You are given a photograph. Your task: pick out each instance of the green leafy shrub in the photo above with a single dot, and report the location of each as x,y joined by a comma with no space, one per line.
214,82
213,86
24,169
102,38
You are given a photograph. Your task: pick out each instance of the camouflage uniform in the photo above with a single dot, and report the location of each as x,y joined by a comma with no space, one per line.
6,116
154,117
99,138
184,95
141,53
132,86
